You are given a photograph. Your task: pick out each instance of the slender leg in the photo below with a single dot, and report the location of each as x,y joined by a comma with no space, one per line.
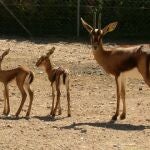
5,103
57,102
68,98
31,100
7,109
123,115
24,95
118,98
53,99
59,105
59,109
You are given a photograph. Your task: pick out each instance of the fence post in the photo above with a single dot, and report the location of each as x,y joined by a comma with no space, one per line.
94,19
100,21
78,18
100,16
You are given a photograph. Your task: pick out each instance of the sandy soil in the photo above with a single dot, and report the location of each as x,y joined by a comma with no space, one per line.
93,101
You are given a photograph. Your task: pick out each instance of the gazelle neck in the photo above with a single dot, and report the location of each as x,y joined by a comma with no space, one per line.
48,67
100,54
101,48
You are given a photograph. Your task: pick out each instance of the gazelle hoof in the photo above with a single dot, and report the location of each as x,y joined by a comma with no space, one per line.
4,113
114,117
123,116
7,114
59,113
27,116
69,115
17,115
53,115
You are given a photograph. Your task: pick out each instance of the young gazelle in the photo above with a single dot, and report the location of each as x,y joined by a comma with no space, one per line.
23,78
57,76
119,62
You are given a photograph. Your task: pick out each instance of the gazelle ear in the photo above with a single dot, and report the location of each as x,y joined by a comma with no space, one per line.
51,51
86,26
5,53
110,27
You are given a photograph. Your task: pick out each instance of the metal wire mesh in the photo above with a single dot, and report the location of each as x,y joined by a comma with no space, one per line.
59,17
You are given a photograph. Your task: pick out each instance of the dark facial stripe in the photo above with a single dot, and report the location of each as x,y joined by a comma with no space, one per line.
95,37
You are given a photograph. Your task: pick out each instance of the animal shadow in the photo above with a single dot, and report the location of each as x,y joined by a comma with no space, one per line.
12,117
109,125
49,118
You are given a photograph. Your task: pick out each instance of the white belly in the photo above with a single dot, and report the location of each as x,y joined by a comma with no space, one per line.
134,73
127,48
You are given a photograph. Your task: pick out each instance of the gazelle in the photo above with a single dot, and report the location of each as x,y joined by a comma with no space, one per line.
57,76
119,62
23,78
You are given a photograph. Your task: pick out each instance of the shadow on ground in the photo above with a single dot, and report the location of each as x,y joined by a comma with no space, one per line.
42,118
49,118
109,125
11,117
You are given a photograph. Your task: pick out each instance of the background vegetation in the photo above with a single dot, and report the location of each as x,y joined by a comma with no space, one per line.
59,17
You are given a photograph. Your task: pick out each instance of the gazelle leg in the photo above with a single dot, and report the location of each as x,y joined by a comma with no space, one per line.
68,99
57,102
59,108
53,99
117,79
24,95
59,105
7,105
31,100
123,115
6,101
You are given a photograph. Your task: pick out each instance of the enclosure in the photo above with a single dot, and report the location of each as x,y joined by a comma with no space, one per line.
62,17
44,24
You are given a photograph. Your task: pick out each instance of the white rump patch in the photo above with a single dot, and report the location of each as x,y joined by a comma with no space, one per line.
61,80
67,82
27,82
27,79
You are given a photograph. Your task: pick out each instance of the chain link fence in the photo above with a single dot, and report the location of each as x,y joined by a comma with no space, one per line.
60,17
133,16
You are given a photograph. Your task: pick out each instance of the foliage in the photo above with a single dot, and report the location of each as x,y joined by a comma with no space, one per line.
49,17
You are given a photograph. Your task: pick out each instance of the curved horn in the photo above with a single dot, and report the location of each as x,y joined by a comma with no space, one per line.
86,26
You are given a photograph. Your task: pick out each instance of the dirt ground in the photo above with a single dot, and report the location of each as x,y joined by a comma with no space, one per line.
93,102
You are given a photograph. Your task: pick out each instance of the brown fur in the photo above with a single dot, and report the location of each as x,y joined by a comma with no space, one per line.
118,62
54,75
20,74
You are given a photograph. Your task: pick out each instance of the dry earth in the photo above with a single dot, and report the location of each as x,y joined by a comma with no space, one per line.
93,100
